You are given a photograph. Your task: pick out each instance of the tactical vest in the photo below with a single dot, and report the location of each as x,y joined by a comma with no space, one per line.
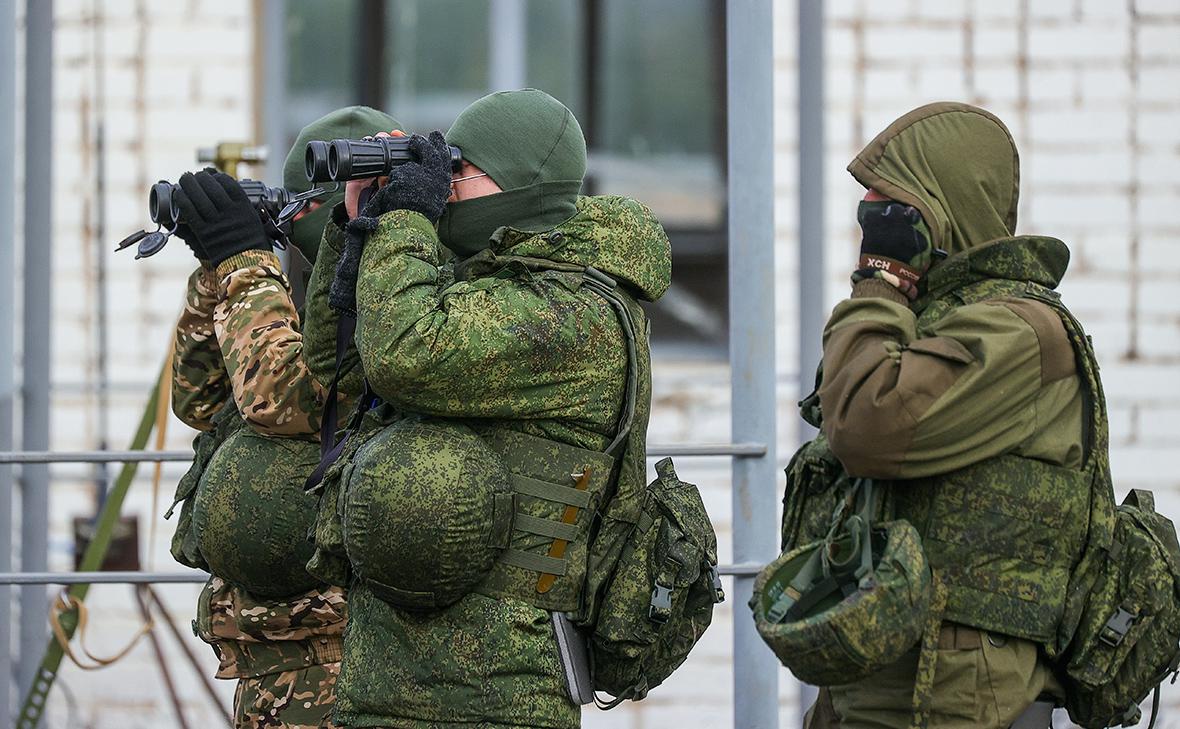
1004,535
561,490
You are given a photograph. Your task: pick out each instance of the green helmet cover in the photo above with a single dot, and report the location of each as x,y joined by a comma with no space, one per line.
427,508
842,639
351,122
251,515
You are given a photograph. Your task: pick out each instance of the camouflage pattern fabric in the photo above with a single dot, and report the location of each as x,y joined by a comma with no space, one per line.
523,349
200,384
286,651
256,637
258,331
301,698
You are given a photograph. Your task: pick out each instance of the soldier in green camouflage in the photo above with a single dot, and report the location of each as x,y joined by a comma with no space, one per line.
517,343
238,343
955,384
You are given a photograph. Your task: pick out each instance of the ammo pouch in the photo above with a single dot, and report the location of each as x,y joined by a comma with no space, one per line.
184,540
1128,624
816,487
661,595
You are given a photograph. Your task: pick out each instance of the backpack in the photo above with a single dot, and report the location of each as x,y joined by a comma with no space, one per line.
1127,633
1119,636
660,596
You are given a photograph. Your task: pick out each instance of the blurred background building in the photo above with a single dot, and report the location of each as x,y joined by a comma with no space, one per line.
1089,88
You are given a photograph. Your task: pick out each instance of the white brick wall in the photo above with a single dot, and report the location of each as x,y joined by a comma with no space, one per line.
1090,89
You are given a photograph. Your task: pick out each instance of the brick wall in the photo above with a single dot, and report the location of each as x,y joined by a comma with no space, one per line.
1089,88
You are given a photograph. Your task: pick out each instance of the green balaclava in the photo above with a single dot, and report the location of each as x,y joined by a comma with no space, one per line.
351,122
530,145
956,163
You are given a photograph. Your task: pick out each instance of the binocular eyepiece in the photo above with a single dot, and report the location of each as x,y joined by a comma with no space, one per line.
165,212
356,159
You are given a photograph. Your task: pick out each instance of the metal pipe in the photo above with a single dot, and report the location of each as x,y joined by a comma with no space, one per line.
750,133
36,363
736,450
101,578
746,569
7,332
812,311
273,82
507,26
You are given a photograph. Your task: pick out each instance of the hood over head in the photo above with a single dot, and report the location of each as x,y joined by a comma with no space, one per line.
351,122
616,235
955,163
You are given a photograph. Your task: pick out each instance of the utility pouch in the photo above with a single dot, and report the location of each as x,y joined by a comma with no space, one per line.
185,539
816,488
1127,638
661,597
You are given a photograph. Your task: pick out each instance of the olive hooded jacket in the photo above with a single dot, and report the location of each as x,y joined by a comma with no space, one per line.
907,394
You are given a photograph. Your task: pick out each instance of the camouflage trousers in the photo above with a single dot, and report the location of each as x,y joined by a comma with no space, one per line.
298,699
981,681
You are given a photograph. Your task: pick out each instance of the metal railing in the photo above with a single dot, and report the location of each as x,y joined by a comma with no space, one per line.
733,450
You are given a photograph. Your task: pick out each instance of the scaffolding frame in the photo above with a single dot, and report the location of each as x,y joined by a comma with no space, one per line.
751,232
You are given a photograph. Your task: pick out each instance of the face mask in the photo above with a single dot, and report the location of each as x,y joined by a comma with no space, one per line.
307,231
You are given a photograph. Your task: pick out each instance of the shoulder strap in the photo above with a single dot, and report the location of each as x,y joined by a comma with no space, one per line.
607,288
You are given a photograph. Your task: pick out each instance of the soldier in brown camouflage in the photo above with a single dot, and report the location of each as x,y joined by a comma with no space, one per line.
284,653
239,337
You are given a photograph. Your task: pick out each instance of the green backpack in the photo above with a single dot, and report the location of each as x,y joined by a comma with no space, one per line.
660,596
1120,634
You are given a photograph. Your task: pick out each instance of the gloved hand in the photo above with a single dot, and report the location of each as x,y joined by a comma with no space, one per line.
342,292
186,234
422,186
220,215
895,245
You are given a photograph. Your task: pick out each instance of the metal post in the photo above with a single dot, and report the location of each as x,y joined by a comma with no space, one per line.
7,332
36,335
273,82
811,218
507,23
811,194
749,73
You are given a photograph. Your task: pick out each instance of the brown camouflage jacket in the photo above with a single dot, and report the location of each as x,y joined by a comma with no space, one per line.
200,384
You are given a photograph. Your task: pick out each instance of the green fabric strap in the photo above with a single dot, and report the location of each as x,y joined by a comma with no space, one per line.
534,562
546,527
606,287
550,491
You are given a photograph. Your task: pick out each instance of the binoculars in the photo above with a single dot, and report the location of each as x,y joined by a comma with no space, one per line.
356,159
164,211
277,207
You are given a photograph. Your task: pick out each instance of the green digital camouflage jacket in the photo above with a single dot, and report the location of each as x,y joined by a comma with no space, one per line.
522,349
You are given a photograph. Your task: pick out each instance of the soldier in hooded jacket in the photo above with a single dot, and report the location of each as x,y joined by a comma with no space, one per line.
507,338
239,364
955,383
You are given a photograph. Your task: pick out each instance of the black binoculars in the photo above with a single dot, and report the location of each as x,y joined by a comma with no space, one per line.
356,159
277,207
165,212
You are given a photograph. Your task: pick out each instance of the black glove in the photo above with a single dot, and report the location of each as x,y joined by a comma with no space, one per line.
342,292
186,234
422,186
220,215
895,245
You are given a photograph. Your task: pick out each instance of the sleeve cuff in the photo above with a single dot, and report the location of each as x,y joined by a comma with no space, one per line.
247,259
878,289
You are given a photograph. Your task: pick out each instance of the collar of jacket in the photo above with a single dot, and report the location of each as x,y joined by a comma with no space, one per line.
1038,259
